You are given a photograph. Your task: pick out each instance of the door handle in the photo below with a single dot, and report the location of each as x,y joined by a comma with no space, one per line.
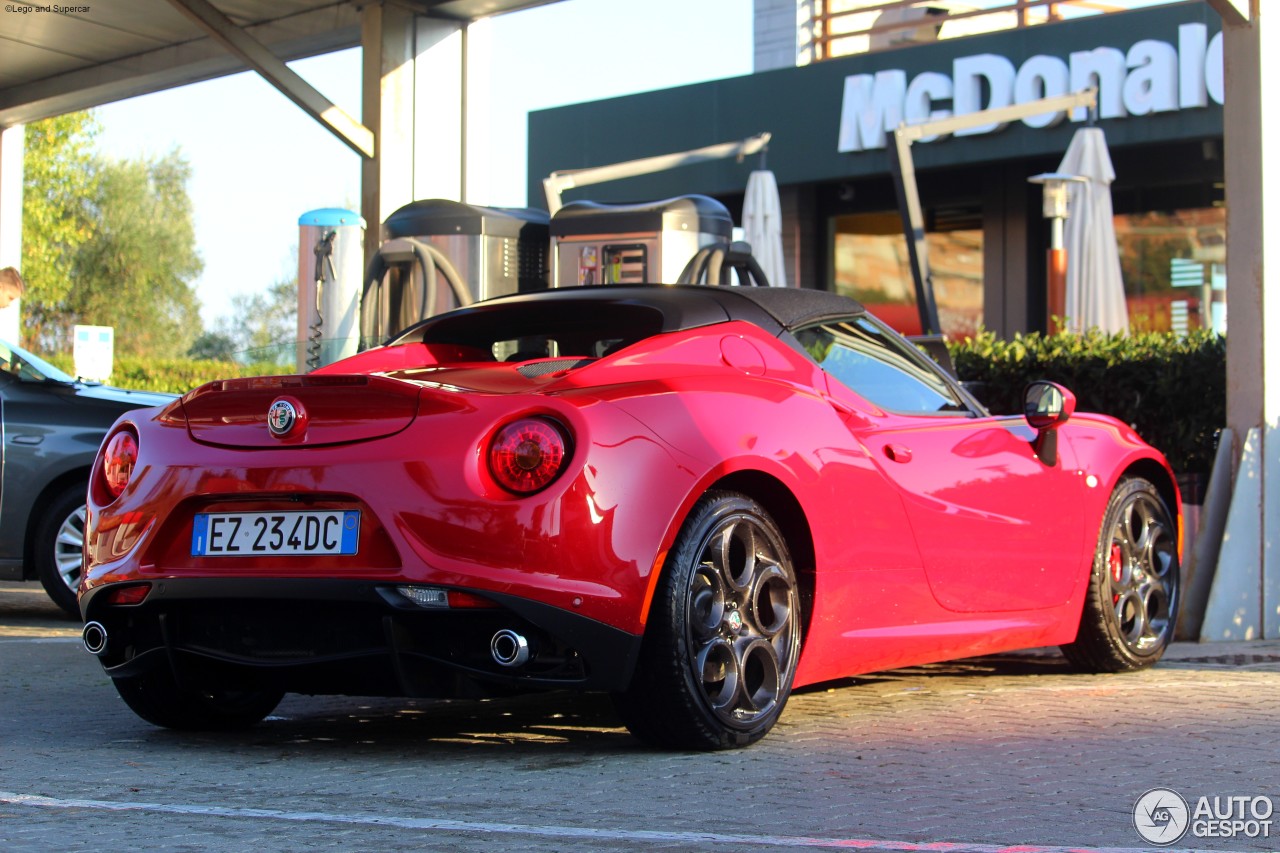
897,452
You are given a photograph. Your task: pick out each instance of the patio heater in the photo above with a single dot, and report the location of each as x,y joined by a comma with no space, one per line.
1056,188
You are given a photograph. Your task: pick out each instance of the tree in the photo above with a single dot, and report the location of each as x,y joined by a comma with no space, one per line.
261,327
107,242
268,319
60,184
214,346
136,273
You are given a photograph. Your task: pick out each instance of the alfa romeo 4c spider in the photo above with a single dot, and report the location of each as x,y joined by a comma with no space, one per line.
693,498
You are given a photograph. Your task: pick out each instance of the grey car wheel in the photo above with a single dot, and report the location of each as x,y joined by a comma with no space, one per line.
59,548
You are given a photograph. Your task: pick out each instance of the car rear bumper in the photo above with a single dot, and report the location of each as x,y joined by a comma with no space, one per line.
361,638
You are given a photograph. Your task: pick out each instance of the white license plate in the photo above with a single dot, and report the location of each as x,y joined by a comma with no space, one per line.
291,533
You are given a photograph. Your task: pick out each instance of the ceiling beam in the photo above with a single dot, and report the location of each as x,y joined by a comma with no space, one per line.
180,64
260,58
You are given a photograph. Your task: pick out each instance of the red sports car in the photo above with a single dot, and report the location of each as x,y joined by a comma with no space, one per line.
695,498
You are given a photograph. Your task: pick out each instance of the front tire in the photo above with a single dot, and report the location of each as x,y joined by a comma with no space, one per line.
723,639
1134,587
59,547
220,705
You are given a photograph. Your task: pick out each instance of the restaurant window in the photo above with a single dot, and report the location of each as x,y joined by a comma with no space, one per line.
1174,268
870,264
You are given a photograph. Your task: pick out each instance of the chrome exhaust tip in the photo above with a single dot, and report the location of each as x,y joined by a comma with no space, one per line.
509,648
94,637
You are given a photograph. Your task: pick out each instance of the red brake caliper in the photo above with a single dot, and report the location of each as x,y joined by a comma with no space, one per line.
1117,567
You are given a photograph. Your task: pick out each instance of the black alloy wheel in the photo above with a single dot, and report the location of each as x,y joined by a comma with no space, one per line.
723,641
1131,605
208,704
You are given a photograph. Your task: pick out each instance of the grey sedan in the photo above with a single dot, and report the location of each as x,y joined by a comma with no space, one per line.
50,428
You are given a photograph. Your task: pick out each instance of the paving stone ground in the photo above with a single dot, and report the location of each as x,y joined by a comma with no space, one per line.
1011,751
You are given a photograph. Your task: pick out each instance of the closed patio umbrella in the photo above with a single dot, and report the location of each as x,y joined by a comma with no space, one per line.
1095,288
762,225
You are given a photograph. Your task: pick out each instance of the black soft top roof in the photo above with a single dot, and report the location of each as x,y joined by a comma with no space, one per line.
793,306
668,308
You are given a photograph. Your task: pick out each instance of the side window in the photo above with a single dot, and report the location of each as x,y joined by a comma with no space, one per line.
879,367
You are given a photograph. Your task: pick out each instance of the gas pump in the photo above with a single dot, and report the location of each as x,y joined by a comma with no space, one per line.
330,258
648,243
438,255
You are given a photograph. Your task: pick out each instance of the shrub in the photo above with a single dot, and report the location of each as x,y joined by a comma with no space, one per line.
1170,388
177,375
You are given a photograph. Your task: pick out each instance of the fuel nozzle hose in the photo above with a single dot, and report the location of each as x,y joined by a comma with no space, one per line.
324,261
382,307
711,265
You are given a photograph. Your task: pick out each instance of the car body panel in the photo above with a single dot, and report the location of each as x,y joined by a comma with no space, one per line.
971,545
979,502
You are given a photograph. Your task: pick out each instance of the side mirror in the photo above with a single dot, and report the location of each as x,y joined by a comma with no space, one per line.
1047,406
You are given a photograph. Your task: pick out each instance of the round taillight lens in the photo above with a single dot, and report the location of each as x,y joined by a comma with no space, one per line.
118,459
527,455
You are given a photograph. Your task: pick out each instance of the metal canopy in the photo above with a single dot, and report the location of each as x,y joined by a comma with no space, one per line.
52,63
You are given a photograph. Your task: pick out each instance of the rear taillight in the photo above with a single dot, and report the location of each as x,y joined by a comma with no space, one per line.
527,455
118,459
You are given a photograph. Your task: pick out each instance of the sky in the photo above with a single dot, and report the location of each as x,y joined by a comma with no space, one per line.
259,162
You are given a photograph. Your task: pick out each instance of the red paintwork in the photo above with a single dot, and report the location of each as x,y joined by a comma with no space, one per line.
921,538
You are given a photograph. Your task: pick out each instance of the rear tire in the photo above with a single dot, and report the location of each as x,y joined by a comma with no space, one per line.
223,706
723,640
1134,587
59,547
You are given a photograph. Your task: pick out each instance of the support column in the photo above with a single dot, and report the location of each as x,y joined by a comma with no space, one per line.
11,146
440,95
1245,602
413,97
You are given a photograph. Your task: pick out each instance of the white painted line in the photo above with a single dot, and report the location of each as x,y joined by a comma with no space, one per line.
567,832
41,640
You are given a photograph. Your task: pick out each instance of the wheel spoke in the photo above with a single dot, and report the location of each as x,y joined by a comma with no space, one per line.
1133,616
771,601
1154,599
760,677
69,570
718,665
706,602
733,553
1145,535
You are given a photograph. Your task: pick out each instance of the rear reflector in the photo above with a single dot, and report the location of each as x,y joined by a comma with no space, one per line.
130,594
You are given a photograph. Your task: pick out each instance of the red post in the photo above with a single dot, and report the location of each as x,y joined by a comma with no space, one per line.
1056,308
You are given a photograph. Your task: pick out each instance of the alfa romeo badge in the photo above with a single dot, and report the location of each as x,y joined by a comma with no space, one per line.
281,418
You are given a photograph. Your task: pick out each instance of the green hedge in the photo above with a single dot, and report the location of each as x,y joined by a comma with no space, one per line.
1171,388
176,376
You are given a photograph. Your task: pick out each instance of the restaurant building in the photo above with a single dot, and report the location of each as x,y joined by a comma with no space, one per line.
1159,76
